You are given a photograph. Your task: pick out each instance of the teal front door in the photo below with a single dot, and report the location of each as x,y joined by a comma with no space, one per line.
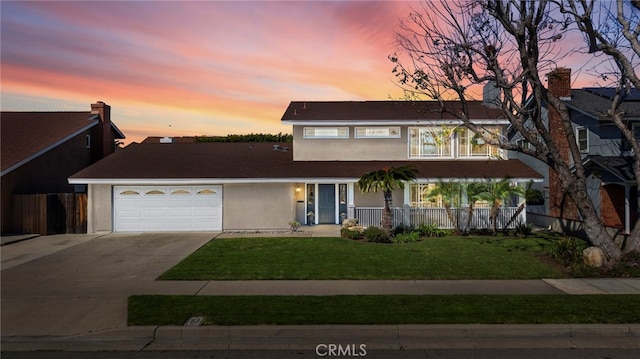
327,203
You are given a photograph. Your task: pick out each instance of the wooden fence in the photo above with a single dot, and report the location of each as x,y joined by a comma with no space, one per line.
372,216
52,213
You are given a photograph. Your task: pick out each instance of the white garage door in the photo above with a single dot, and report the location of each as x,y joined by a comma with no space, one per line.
167,208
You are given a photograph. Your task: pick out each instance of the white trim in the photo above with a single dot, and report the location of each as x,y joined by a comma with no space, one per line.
336,203
391,122
50,147
586,131
210,181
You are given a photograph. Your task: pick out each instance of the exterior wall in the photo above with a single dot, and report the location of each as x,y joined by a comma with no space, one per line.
376,199
47,173
99,208
349,149
258,206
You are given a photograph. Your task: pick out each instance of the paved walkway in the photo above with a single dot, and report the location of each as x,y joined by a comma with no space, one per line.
69,290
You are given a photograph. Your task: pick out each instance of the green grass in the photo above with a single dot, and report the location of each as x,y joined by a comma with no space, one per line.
400,309
337,258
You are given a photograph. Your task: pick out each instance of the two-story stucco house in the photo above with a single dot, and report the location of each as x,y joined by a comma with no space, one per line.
606,155
171,185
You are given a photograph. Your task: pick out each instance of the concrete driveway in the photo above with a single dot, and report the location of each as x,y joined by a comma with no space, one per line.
78,284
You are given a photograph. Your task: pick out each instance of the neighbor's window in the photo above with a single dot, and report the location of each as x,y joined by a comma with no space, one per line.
471,144
582,139
326,132
431,142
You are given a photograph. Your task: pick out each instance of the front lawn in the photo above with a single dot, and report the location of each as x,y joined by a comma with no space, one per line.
337,258
385,309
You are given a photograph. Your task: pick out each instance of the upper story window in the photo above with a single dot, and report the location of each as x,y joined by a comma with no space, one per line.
432,141
377,132
471,144
582,139
326,132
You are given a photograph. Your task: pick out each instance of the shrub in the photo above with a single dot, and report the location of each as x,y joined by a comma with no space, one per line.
524,229
406,237
350,233
294,226
402,229
431,230
375,234
568,250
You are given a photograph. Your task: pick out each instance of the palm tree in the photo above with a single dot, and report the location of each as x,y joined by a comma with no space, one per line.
449,192
497,193
387,180
474,190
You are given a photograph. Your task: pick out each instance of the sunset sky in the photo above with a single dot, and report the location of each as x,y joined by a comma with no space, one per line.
196,68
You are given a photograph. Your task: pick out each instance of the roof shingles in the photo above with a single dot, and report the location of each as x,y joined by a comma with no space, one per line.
260,161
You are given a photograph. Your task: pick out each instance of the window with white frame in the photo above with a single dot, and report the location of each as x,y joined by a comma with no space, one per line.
419,195
471,144
431,141
377,132
582,139
326,132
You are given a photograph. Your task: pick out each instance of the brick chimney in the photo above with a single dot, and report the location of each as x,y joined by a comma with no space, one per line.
559,83
105,133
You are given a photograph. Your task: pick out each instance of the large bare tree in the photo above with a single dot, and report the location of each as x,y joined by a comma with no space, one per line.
450,49
613,29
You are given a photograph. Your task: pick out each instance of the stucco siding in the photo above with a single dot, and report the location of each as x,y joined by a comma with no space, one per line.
99,208
258,206
349,149
376,199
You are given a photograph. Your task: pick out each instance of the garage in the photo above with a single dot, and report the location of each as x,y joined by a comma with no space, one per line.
167,208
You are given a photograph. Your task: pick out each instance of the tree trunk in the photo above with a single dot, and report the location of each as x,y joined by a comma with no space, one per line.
633,242
515,216
452,219
469,217
387,215
493,216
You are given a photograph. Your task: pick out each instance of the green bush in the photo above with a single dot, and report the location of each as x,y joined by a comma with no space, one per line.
431,230
350,233
568,250
524,229
401,229
375,234
406,237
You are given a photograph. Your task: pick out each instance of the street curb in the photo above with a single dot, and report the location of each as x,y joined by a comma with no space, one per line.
381,337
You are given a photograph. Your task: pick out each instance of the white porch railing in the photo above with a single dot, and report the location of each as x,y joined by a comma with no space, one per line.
372,216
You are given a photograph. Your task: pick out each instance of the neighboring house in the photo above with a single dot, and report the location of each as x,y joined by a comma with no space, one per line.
166,185
606,155
40,150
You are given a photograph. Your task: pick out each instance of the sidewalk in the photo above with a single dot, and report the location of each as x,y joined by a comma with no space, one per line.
70,293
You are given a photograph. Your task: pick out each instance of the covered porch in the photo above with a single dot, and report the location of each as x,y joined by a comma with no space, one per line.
411,216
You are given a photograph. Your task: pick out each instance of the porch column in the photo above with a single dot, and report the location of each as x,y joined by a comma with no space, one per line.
627,210
351,207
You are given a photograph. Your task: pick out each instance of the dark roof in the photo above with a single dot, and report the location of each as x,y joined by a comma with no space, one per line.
261,161
383,111
595,101
25,134
620,167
